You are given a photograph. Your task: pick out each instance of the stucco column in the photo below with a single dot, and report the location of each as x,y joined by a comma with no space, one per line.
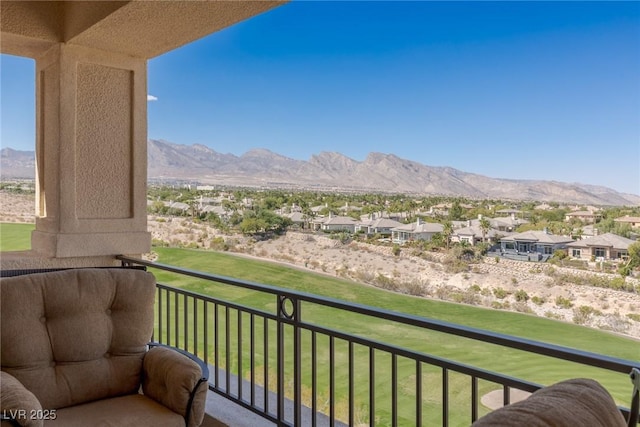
91,155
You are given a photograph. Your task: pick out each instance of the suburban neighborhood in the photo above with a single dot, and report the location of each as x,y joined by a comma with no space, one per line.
522,231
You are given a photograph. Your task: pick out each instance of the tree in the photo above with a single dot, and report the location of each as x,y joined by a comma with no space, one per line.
633,261
455,213
485,226
447,232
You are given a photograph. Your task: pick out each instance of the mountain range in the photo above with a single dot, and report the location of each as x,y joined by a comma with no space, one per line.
331,171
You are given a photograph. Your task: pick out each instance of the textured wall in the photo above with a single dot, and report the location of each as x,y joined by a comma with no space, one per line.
104,142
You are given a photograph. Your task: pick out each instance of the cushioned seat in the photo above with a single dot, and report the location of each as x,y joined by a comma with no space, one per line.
570,403
125,411
74,344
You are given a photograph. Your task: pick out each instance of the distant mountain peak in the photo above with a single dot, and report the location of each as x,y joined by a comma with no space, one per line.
333,171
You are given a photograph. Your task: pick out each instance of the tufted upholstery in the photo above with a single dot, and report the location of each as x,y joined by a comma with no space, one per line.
79,335
74,338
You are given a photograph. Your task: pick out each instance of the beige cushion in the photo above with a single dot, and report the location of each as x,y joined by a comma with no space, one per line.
77,335
571,403
127,411
169,378
14,397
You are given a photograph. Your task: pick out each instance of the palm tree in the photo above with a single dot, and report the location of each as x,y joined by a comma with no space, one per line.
447,231
485,226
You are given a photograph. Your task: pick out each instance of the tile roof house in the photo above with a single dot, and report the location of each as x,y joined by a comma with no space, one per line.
604,246
335,223
633,221
473,235
541,242
508,223
381,226
417,230
585,216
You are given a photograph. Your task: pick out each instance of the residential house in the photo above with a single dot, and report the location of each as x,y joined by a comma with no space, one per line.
444,208
584,232
298,219
605,246
473,235
221,211
508,212
417,230
508,223
633,221
335,223
380,225
177,207
588,217
541,242
544,207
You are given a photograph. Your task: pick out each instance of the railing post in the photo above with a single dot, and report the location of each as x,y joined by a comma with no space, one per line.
289,315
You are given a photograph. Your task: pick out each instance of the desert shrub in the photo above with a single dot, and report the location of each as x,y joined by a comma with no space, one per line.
475,288
634,316
385,282
454,266
395,250
538,300
218,244
563,302
521,295
413,288
614,322
500,293
159,243
552,315
559,254
522,307
500,305
466,297
583,314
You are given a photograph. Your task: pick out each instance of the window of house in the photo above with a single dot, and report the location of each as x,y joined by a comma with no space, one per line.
599,252
576,253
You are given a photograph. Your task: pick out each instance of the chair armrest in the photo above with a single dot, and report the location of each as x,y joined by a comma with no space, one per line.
18,404
176,379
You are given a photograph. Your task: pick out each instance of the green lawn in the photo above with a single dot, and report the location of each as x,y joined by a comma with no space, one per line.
15,237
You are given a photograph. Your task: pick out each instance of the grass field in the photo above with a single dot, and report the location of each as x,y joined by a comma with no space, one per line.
15,237
519,364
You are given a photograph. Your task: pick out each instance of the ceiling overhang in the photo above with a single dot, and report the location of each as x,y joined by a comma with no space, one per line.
139,28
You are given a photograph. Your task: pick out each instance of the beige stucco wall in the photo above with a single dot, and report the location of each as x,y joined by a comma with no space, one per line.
92,157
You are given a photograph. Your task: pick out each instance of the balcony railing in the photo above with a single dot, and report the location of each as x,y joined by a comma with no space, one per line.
279,360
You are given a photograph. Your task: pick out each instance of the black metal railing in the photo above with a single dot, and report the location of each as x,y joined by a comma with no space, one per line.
290,359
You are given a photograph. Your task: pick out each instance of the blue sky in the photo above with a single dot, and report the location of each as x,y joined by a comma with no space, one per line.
524,90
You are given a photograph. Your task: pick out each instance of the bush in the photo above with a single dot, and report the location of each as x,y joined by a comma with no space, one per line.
396,250
583,314
521,296
500,293
634,316
563,302
559,254
538,300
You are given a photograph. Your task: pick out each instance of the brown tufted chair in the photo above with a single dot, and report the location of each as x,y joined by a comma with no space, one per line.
74,353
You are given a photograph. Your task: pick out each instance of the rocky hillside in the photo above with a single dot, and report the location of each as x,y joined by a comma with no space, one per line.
334,171
378,172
